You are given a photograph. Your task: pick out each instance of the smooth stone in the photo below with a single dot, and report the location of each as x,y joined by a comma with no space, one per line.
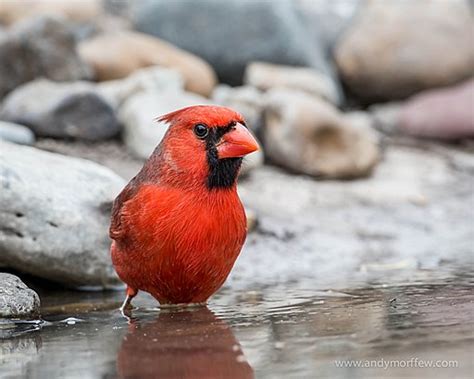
54,216
128,51
308,135
445,113
16,133
389,50
66,110
150,79
265,76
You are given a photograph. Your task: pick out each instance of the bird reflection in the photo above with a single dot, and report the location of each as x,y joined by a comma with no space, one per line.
191,343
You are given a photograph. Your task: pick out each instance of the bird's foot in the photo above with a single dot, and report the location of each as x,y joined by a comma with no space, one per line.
127,307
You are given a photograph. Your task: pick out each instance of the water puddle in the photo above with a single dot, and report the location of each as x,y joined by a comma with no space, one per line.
268,333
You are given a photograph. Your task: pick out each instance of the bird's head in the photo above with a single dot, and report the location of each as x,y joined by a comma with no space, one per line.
205,144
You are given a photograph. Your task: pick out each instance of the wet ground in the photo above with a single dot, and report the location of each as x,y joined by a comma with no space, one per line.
273,332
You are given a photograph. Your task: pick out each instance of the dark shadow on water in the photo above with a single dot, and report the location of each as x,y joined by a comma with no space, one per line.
190,343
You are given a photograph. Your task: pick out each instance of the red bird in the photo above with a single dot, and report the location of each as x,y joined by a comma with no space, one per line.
179,225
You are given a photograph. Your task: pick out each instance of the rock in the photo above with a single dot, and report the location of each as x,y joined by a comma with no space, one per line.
445,113
66,110
16,133
265,76
42,46
246,100
54,216
230,34
388,52
128,51
141,133
12,11
110,153
154,79
16,299
308,135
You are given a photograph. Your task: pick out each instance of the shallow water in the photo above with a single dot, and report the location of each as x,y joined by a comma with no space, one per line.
269,333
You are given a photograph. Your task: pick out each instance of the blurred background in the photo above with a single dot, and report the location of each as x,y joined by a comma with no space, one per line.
364,110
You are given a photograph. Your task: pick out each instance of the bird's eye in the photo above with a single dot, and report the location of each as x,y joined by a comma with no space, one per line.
201,130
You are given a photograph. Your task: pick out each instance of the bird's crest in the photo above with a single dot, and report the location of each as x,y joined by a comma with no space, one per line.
210,114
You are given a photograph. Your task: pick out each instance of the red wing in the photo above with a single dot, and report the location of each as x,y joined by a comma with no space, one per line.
117,226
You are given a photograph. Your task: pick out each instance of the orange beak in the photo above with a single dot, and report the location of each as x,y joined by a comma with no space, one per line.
237,143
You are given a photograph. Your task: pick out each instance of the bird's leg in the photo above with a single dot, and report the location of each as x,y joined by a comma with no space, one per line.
126,307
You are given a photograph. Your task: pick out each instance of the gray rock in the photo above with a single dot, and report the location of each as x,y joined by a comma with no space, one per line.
66,110
16,133
42,46
231,34
308,135
265,76
141,133
388,52
16,299
54,216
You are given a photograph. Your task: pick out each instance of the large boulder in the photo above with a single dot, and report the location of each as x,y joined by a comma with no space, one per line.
54,216
308,135
128,51
42,46
17,301
141,133
230,34
397,48
66,110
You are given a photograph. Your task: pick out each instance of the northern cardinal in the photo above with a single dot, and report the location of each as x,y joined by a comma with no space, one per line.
178,226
